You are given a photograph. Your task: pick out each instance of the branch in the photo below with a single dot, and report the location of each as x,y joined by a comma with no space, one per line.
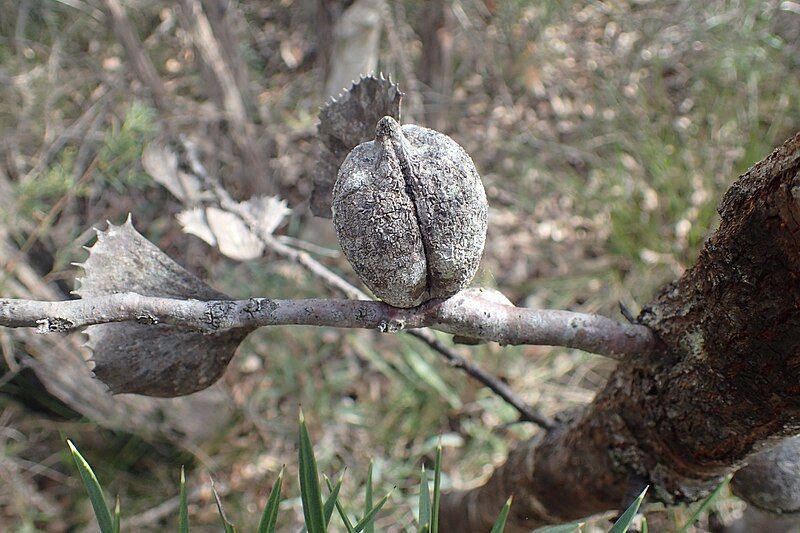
464,315
495,384
144,68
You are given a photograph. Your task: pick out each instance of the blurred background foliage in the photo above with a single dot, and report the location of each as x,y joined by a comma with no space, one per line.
606,133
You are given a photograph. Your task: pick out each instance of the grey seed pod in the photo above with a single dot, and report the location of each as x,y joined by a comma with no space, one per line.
410,212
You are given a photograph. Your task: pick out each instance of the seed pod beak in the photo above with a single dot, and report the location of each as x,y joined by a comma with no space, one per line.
387,129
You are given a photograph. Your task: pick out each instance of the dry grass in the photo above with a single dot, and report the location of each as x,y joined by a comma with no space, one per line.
605,133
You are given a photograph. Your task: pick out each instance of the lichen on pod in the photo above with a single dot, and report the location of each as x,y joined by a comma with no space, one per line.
410,213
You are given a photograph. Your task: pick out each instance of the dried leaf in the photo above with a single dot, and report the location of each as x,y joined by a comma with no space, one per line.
268,211
226,231
195,222
162,165
346,122
150,359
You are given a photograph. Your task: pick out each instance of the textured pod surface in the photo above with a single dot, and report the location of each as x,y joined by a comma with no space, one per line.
410,212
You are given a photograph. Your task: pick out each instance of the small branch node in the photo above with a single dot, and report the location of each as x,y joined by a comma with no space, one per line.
147,318
54,325
392,326
218,315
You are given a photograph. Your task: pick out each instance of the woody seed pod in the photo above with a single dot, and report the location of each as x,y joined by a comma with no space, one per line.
410,212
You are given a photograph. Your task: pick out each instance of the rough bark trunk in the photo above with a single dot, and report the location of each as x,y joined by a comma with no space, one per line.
725,386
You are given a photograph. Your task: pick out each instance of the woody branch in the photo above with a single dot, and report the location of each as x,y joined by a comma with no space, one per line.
464,315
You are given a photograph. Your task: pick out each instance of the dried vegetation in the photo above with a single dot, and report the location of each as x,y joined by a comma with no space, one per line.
605,133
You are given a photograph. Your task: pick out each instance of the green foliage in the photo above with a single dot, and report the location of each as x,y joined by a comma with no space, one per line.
424,519
500,524
309,482
121,148
38,194
117,163
340,509
183,507
369,517
437,489
333,497
428,518
95,491
317,514
624,522
117,516
572,527
227,525
706,503
270,517
370,528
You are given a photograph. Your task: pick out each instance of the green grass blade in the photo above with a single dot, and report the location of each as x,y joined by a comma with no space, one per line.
310,492
370,516
624,522
369,527
437,489
227,525
645,529
500,524
117,516
94,490
270,517
183,507
424,502
346,521
330,503
705,505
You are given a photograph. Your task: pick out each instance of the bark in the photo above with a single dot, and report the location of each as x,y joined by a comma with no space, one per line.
725,387
466,314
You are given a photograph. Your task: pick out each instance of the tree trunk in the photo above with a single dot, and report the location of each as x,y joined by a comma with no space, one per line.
725,385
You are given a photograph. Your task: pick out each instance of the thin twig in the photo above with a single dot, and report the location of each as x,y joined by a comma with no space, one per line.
210,49
242,129
144,68
495,384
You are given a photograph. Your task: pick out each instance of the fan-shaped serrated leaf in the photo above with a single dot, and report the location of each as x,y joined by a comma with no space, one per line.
150,359
346,122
